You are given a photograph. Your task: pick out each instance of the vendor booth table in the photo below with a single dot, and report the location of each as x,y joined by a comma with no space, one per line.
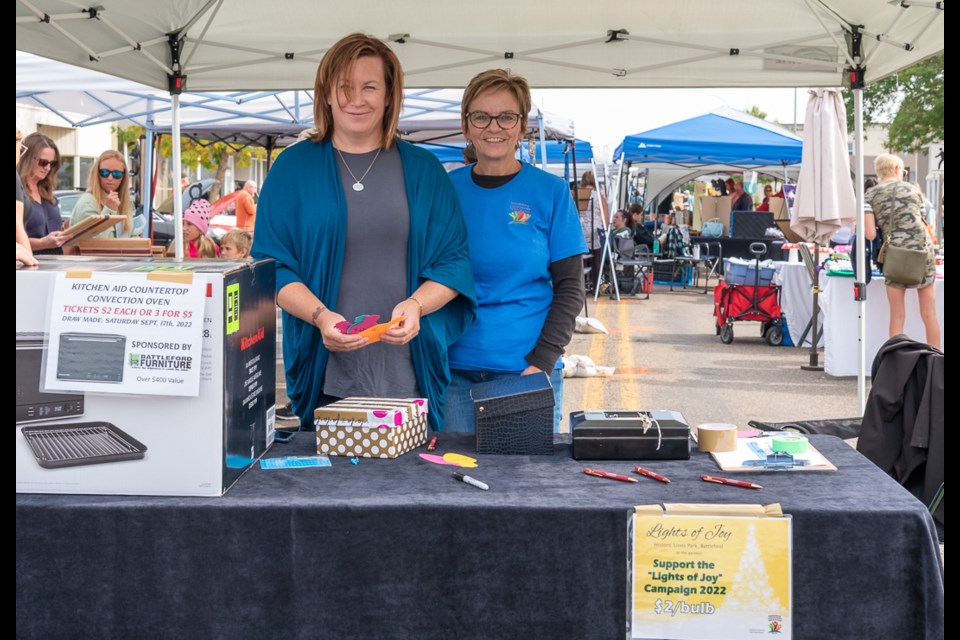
399,549
840,322
796,301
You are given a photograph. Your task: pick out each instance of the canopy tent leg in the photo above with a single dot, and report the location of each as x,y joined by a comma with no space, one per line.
860,276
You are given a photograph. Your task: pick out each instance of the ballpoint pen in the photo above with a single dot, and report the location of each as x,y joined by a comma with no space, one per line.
651,474
462,477
608,475
732,483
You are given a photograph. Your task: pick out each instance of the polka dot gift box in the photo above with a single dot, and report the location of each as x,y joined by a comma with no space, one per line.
371,427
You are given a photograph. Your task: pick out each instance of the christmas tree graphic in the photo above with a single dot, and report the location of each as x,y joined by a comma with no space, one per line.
751,589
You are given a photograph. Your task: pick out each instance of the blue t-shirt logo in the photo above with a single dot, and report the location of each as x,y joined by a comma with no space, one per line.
519,217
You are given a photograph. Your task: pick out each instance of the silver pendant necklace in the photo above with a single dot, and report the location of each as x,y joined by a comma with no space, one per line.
358,182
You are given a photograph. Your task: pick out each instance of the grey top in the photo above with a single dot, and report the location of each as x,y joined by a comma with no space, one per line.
374,277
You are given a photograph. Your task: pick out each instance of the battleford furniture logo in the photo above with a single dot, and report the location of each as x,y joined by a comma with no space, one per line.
157,362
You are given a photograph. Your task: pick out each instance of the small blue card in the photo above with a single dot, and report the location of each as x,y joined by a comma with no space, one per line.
294,462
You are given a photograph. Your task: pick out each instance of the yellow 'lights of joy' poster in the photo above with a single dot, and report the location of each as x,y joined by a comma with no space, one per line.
720,577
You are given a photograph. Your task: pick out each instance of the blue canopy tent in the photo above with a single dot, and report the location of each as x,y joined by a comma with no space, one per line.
723,139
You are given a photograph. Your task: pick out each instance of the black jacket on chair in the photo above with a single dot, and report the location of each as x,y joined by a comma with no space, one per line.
903,424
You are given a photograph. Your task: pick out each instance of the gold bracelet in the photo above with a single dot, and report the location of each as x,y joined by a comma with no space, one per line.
419,304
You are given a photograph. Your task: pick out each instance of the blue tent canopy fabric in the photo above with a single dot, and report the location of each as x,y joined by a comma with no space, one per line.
724,136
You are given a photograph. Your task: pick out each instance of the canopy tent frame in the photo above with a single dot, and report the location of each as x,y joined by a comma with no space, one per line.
47,25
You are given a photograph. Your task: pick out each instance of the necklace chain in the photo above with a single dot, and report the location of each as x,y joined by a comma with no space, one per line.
358,182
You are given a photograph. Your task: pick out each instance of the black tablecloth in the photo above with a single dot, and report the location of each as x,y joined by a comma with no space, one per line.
399,549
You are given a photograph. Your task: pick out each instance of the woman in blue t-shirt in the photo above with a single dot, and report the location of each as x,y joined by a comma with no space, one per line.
526,248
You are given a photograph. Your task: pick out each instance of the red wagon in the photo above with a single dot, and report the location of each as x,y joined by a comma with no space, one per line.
757,302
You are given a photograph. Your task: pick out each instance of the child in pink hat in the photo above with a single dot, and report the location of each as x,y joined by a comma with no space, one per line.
196,221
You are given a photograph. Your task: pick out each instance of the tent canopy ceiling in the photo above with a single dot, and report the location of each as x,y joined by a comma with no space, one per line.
252,45
83,97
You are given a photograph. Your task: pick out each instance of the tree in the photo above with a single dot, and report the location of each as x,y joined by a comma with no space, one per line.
911,101
757,112
213,156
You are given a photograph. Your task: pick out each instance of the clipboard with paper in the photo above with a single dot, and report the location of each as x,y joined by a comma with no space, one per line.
757,454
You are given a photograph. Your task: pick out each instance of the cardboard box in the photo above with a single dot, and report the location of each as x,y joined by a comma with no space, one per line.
582,198
176,445
371,412
716,207
353,427
781,216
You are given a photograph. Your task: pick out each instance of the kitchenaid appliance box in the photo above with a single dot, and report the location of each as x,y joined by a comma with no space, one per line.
90,436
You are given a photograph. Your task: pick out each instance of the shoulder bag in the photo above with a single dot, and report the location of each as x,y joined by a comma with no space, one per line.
905,266
712,229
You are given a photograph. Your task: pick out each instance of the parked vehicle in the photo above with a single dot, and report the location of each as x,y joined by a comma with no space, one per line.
67,200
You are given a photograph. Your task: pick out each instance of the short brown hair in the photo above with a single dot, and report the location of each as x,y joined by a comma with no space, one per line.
336,63
240,238
35,143
495,80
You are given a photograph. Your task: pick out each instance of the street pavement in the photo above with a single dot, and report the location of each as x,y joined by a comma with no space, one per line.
667,355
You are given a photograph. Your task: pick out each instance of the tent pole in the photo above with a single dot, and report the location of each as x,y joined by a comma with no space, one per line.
606,256
177,193
862,265
543,142
146,173
814,364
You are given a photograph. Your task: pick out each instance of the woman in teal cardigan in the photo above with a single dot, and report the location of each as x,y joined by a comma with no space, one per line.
360,223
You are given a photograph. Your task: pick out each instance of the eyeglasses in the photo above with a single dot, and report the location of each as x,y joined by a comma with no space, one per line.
43,163
482,120
106,173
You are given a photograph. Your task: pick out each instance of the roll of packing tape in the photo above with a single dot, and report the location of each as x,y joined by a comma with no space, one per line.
790,444
717,437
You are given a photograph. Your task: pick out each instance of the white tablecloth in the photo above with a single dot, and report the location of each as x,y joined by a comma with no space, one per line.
840,327
796,300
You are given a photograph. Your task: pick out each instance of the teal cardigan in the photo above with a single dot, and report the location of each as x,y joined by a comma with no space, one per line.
302,223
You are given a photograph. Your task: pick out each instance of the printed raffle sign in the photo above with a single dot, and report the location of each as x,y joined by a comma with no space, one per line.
722,576
125,334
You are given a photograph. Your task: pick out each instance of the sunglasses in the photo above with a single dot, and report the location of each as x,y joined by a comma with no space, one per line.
106,173
43,163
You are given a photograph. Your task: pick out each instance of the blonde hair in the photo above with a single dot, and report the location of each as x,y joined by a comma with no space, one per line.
240,238
496,80
206,248
93,186
336,63
35,143
886,165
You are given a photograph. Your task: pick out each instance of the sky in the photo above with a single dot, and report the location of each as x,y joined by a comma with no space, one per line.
603,117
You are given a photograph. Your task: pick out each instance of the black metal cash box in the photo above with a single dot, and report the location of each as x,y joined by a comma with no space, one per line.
630,435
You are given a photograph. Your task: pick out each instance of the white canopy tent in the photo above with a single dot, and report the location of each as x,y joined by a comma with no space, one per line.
215,45
210,45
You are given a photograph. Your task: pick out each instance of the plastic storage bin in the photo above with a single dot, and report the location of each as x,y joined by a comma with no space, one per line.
743,273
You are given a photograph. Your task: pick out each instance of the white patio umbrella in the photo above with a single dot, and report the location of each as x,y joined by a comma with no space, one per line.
825,200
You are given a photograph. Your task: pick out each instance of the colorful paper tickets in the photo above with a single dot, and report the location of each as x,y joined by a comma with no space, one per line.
367,327
451,459
381,413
